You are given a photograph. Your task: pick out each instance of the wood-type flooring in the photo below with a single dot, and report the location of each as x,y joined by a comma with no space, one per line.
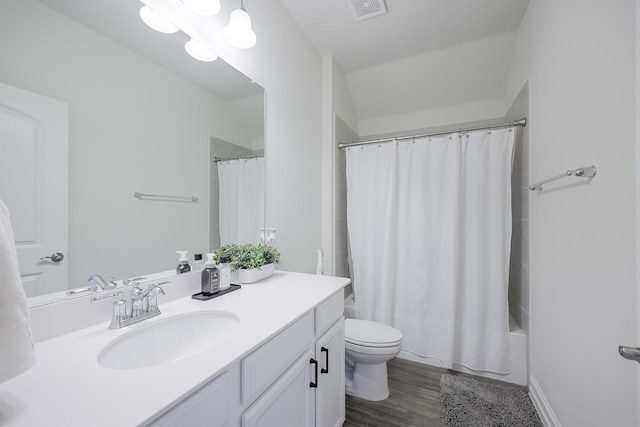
414,398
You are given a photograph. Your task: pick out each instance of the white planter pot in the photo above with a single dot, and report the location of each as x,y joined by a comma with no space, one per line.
255,274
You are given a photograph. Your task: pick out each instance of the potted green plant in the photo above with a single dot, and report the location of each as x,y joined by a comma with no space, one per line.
253,262
224,255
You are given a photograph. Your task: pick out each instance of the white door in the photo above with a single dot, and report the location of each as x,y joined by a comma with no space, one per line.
34,184
288,402
330,398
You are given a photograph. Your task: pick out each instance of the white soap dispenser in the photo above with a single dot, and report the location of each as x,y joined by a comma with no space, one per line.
225,276
183,262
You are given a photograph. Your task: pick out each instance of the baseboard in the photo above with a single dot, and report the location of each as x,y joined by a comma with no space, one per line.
542,405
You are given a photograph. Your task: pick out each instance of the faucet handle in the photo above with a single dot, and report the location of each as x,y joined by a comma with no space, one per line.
153,291
133,280
136,290
136,299
119,314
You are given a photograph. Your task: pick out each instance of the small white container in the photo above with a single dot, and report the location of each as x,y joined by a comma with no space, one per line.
225,276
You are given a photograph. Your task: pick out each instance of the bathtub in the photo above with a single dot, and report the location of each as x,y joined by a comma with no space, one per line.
519,368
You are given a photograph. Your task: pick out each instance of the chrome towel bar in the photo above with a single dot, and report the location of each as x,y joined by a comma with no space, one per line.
585,172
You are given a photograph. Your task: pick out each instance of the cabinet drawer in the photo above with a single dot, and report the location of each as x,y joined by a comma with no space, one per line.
262,367
328,312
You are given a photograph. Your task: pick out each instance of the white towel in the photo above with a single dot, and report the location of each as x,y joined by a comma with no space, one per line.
17,352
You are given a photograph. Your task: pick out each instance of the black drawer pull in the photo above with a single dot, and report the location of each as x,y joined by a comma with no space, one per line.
314,384
325,370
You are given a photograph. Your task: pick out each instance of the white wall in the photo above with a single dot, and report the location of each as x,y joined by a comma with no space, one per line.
338,113
458,84
579,58
284,62
461,113
126,135
343,104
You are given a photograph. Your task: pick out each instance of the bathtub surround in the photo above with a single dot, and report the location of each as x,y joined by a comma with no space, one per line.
519,263
432,265
342,263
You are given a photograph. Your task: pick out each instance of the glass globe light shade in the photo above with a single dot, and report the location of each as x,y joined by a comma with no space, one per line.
239,32
203,7
199,51
157,21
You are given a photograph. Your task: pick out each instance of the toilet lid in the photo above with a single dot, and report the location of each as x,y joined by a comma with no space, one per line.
370,334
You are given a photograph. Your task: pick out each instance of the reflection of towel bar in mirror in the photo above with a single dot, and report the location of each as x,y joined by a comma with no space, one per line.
160,196
249,157
584,172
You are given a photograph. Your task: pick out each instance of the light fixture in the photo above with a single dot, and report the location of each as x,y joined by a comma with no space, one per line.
157,21
199,51
239,32
203,7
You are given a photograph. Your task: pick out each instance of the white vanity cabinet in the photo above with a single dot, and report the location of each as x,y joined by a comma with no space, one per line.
215,404
295,379
306,363
330,396
261,375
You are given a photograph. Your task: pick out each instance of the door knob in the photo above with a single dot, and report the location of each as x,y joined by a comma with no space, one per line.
630,353
56,257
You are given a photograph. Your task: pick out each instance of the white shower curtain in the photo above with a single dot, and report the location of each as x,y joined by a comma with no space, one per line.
241,200
429,230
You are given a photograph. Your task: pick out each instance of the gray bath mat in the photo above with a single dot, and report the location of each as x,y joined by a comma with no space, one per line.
467,402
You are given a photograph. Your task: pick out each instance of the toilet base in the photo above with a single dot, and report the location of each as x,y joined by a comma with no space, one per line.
369,382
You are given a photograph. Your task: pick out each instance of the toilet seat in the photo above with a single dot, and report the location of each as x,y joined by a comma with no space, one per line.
371,334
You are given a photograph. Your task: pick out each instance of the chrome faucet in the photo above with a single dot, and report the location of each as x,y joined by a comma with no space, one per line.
150,296
139,310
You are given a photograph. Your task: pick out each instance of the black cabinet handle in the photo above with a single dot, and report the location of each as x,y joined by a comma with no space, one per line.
325,370
314,384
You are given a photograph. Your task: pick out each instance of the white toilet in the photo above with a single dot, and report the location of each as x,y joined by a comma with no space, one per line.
368,348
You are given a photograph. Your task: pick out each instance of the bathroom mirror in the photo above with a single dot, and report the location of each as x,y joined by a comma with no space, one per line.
143,117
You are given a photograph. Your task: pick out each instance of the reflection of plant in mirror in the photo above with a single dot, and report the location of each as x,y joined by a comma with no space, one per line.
247,256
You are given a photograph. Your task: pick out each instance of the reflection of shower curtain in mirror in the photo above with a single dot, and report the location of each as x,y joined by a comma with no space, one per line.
241,200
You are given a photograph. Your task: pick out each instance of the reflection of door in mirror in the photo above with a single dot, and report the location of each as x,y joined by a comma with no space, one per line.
237,194
33,184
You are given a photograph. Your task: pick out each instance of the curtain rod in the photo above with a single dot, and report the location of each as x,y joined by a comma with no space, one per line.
220,159
521,122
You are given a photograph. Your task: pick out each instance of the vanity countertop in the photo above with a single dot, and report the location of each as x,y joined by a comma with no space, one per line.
68,387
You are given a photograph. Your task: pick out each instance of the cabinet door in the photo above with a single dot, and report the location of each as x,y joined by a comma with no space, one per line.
289,401
216,404
330,411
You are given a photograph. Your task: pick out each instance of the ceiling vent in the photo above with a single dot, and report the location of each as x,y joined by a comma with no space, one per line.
365,9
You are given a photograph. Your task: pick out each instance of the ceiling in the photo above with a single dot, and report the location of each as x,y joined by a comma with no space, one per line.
420,55
119,21
422,60
410,27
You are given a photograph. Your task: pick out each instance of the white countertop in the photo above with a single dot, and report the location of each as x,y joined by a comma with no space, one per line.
68,387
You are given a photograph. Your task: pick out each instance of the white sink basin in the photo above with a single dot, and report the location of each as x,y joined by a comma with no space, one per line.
168,340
